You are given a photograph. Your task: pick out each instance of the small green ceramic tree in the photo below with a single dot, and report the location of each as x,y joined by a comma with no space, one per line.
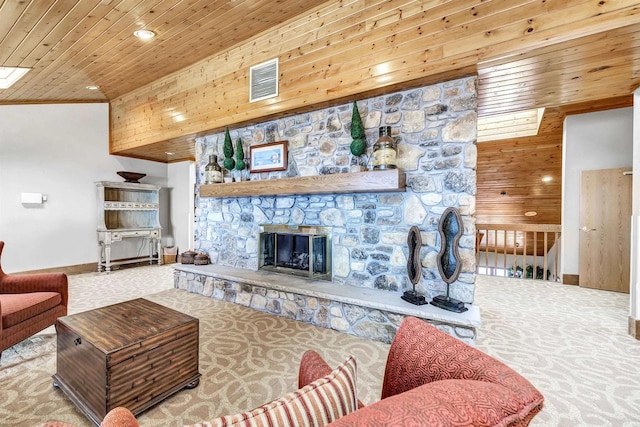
227,149
359,143
240,163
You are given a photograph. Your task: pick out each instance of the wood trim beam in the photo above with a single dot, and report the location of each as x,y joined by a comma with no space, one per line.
68,270
80,268
571,279
354,182
634,327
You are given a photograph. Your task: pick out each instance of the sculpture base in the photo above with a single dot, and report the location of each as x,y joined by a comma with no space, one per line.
450,304
414,298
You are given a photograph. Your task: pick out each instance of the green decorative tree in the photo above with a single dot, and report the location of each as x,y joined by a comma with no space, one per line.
359,143
240,163
227,149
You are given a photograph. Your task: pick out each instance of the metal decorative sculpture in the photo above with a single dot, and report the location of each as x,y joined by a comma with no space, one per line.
449,261
414,268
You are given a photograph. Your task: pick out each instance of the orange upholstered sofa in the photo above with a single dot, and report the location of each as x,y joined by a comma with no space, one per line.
29,303
430,379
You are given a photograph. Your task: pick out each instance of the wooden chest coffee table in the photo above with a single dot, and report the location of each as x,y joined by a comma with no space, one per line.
133,354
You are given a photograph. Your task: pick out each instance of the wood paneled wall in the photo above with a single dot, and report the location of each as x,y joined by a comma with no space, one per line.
516,167
345,49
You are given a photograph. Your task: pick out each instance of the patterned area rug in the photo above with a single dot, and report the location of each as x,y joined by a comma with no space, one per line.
30,350
247,358
570,342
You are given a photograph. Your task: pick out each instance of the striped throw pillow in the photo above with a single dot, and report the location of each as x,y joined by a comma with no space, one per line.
319,403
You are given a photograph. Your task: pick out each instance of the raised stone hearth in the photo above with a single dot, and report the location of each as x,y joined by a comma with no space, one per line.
368,313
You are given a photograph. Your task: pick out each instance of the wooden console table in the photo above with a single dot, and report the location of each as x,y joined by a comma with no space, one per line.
106,238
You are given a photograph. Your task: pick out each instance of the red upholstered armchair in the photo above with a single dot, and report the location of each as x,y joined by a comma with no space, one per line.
434,379
29,303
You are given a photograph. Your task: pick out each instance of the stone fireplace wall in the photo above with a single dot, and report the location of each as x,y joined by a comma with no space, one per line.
435,128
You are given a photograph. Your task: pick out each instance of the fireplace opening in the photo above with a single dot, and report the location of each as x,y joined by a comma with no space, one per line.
298,250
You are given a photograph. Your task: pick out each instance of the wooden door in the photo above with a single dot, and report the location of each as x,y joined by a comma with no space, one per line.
605,229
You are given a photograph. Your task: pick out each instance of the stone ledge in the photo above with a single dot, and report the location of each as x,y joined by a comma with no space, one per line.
363,297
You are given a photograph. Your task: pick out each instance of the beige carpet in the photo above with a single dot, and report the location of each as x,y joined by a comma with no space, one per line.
569,342
247,357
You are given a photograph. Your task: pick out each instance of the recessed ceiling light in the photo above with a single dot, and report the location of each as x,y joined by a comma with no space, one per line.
169,153
144,34
531,213
93,87
547,178
10,75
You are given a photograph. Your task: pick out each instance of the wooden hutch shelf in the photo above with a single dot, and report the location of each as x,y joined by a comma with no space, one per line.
127,210
354,182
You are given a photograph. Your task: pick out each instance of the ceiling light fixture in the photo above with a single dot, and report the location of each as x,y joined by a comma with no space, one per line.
531,213
547,178
93,87
10,75
144,34
169,153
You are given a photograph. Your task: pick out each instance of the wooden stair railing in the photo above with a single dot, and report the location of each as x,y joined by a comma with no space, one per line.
518,245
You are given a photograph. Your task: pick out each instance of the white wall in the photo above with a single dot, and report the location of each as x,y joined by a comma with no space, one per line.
601,140
634,285
181,178
61,150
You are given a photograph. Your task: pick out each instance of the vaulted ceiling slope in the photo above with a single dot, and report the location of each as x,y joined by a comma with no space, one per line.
70,45
581,70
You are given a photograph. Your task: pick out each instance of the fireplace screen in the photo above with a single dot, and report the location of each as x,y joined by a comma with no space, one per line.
300,250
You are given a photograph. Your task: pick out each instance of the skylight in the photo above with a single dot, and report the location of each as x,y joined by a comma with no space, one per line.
10,75
510,125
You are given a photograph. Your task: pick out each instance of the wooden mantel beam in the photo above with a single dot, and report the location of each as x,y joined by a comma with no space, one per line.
347,49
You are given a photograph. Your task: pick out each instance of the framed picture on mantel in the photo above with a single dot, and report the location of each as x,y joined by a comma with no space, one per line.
268,157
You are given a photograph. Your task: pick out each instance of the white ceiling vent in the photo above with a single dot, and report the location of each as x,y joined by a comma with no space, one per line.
263,80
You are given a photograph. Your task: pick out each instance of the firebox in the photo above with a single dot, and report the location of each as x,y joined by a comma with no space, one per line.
299,250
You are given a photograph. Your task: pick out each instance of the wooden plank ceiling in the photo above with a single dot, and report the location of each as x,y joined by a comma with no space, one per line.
587,74
70,45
